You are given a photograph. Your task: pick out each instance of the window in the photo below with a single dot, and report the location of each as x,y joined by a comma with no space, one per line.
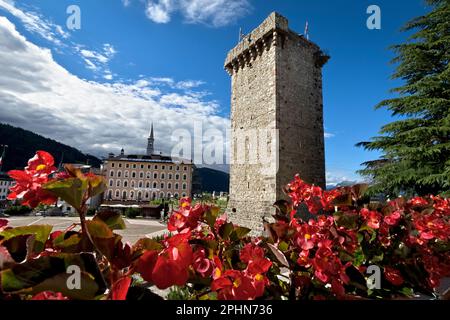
149,167
176,186
125,184
156,167
119,174
153,196
163,176
134,166
169,195
185,168
171,168
184,177
120,165
132,184
112,165
161,195
154,185
126,174
149,175
118,183
169,186
124,195
176,195
133,174
127,166
184,186
142,166
117,194
132,195
177,177
147,185
183,195
170,176
162,185
155,176
111,173
110,194
110,183
140,184
178,168
139,195
147,195
141,175
163,167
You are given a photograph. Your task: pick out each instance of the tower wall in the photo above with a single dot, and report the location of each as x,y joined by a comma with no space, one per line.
276,84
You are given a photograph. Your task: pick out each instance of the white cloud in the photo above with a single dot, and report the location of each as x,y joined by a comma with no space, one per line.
160,11
211,12
329,135
95,60
35,23
38,94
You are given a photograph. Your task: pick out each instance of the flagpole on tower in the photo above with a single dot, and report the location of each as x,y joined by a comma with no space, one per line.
2,157
307,30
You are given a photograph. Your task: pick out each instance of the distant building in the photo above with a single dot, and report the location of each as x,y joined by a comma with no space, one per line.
5,183
143,178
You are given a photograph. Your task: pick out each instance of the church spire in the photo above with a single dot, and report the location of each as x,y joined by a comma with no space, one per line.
150,143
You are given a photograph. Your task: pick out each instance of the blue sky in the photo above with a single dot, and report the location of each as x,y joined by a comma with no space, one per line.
136,61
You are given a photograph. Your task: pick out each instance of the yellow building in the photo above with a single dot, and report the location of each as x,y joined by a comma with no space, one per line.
143,178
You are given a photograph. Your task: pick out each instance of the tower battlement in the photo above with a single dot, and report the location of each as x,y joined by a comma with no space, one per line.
274,31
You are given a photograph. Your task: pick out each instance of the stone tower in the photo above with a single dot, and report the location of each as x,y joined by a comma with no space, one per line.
276,79
150,143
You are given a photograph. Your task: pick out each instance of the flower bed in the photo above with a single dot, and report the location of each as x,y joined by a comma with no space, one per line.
335,255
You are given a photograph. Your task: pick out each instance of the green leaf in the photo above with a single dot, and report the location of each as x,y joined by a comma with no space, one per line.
211,216
112,219
40,233
239,233
226,230
50,273
99,229
71,190
283,246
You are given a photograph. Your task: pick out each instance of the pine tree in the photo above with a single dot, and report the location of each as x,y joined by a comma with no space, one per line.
416,148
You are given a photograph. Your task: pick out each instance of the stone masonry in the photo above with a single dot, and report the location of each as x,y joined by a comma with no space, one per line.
276,85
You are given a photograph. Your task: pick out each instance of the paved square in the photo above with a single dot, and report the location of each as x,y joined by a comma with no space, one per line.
135,228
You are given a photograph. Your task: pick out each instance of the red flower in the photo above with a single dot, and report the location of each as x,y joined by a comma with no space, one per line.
254,257
41,163
49,295
305,237
186,217
418,201
431,226
120,288
202,264
169,267
393,276
313,196
372,218
29,181
393,218
234,285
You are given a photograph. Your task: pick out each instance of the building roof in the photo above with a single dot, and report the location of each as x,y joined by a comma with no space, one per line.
154,158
